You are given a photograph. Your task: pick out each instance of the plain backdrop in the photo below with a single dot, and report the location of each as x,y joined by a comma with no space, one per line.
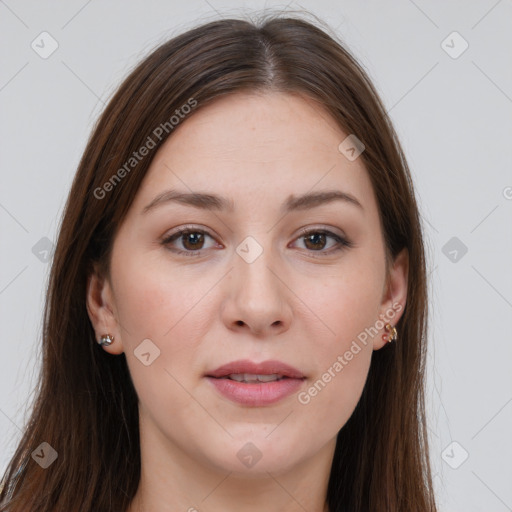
444,72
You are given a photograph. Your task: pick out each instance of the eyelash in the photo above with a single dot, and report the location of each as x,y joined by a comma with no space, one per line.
343,243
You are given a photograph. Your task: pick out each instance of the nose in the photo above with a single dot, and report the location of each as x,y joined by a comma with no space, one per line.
257,298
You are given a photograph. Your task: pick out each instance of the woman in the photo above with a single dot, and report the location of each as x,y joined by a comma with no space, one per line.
236,315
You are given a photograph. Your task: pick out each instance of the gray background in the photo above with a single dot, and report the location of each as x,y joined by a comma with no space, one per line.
452,112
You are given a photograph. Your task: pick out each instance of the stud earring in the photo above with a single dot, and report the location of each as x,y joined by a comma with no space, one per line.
106,340
392,334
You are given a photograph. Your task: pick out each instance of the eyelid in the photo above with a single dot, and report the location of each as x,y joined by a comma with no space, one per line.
322,229
342,241
187,228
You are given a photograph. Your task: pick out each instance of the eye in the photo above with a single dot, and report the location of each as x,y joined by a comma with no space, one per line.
317,240
191,240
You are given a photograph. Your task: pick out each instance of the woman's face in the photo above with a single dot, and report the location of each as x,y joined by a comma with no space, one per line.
283,260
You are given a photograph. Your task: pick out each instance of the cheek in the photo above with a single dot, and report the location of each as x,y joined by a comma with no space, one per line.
346,303
166,308
347,306
154,301
171,308
342,361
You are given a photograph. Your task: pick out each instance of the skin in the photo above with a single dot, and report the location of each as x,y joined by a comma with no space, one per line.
292,304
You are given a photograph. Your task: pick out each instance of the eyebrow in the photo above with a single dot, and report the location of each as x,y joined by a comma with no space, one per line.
214,202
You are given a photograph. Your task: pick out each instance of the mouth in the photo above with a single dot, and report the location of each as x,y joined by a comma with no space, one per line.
250,378
249,371
256,384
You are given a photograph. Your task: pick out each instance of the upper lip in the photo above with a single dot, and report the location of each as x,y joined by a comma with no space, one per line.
264,368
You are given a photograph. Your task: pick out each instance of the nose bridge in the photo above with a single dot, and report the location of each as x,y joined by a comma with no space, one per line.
258,297
254,266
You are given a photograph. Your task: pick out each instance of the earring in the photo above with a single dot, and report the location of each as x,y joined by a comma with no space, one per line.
106,340
392,334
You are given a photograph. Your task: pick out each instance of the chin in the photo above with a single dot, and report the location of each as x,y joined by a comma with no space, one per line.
254,456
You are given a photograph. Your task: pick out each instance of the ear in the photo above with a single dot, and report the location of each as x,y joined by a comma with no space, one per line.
394,296
100,308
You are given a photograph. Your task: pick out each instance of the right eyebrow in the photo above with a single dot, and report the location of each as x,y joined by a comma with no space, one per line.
195,199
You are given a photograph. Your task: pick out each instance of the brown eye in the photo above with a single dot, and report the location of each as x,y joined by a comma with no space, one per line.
193,240
323,241
315,241
188,241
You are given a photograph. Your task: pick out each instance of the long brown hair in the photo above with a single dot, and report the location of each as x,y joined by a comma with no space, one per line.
86,405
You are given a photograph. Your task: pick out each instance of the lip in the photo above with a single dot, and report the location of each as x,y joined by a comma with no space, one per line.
256,394
263,368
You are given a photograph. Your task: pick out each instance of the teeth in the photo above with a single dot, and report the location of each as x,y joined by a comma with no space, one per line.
249,377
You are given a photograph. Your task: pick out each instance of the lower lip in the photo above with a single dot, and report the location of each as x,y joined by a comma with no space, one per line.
263,393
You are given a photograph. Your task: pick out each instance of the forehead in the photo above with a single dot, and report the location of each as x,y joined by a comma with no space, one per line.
257,145
260,126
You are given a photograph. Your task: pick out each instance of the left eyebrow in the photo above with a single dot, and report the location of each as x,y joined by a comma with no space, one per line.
314,199
218,203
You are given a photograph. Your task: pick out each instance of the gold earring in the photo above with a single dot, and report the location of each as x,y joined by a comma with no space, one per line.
392,334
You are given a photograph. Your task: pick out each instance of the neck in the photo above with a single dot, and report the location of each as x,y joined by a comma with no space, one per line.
182,483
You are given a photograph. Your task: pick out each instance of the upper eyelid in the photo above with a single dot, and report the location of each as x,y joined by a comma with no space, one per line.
303,232
188,229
